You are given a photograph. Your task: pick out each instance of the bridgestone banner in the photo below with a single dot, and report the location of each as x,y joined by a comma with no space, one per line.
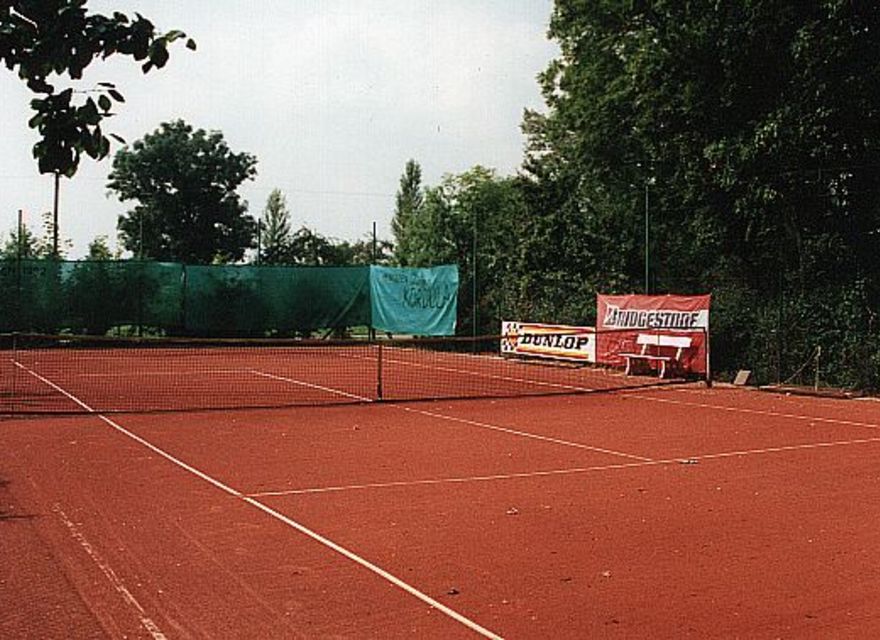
620,319
556,341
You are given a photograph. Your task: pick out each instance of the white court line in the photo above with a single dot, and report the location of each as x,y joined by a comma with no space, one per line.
175,373
271,376
151,627
564,472
637,395
521,434
439,606
473,423
755,412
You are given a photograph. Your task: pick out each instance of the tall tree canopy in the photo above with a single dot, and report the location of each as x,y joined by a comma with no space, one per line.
408,203
729,148
25,244
473,220
754,122
184,182
745,136
48,39
275,231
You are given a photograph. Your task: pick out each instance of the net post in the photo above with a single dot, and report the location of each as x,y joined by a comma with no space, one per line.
379,371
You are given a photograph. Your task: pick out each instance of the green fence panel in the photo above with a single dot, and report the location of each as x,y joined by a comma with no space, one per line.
134,297
257,301
311,298
38,295
9,296
90,297
124,295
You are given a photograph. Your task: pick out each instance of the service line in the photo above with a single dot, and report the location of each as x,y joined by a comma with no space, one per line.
567,471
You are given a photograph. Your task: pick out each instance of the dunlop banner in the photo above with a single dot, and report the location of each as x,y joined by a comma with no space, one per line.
557,341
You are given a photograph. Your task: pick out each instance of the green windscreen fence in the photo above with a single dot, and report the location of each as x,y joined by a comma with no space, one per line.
134,297
90,298
230,300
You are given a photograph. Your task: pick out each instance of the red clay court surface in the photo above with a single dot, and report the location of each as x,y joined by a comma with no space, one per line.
667,513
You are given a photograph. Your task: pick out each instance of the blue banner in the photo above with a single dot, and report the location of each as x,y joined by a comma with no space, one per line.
421,302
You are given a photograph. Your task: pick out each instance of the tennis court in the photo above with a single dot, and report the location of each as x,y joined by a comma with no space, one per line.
640,510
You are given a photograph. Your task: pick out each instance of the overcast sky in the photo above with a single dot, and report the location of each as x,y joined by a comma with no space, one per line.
332,97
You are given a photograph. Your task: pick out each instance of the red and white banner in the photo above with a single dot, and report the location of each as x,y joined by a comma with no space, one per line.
619,320
557,341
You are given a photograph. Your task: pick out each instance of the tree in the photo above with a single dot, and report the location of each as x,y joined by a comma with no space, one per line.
275,231
46,38
184,182
23,245
99,250
473,210
361,252
750,118
753,130
32,246
408,204
311,248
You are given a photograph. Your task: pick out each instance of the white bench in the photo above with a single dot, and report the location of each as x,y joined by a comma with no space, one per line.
666,350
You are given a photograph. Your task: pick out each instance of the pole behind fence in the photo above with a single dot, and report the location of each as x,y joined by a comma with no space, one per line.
18,275
708,358
379,371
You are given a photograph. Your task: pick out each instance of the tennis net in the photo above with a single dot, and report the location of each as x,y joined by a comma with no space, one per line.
75,374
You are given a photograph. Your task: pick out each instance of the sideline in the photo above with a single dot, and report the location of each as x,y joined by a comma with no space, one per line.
385,575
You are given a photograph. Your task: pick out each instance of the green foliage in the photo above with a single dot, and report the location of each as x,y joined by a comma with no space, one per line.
744,116
742,138
23,245
362,252
408,202
311,248
33,246
99,250
45,40
275,230
184,182
473,220
281,246
754,130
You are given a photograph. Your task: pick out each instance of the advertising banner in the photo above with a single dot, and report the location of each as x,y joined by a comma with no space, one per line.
556,341
620,319
420,302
